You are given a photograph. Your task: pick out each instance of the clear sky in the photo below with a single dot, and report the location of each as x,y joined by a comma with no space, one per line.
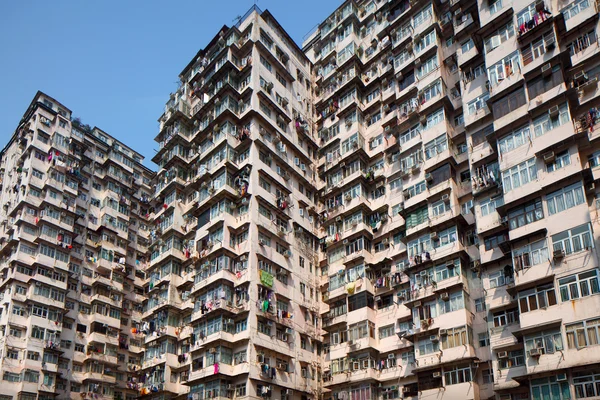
114,63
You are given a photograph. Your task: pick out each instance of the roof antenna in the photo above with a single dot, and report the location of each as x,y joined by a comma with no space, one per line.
237,19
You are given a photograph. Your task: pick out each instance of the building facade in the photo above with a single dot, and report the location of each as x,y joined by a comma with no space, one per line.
74,233
232,279
458,159
405,207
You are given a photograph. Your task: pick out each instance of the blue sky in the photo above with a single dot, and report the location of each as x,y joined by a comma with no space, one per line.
114,63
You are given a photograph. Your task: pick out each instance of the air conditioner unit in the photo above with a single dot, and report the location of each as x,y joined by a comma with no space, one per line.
385,242
504,220
445,197
377,299
401,334
391,356
445,296
212,350
546,69
417,303
535,352
553,112
502,354
558,254
338,219
429,177
443,332
345,241
405,389
437,374
590,187
433,235
549,157
561,377
434,338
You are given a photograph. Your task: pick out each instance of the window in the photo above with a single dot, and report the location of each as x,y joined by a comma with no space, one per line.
422,15
480,304
426,346
434,118
529,255
455,337
542,84
281,79
487,375
479,103
489,206
538,48
484,339
583,334
454,303
509,103
537,298
514,358
575,8
514,140
506,317
526,214
386,331
504,68
547,342
436,146
427,67
546,123
499,37
492,242
495,6
457,375
582,42
586,383
561,160
417,217
573,240
519,175
579,285
565,198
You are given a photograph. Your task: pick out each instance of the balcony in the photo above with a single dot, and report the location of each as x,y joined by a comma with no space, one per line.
478,115
352,377
462,25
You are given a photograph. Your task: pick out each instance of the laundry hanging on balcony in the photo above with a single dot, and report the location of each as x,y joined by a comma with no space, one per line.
266,278
243,134
351,287
484,176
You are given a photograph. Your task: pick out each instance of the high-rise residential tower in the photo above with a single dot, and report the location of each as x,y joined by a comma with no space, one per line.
405,207
73,237
458,158
233,301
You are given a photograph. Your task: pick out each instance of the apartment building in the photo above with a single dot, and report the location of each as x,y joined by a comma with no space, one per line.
232,282
457,164
405,207
72,245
